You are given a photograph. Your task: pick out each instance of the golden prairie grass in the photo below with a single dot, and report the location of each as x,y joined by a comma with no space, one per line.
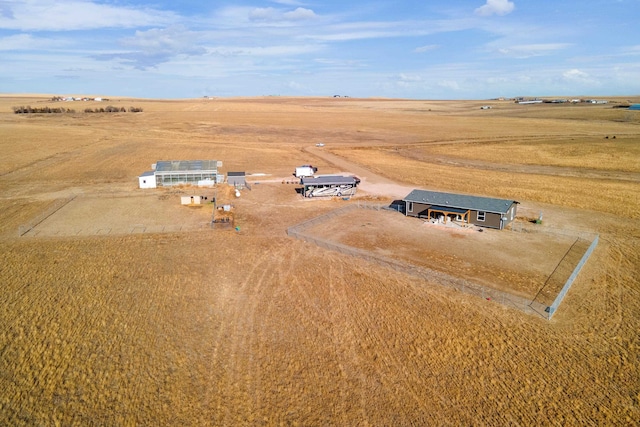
602,195
251,327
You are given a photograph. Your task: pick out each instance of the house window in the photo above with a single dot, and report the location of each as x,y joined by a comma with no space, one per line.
481,215
410,207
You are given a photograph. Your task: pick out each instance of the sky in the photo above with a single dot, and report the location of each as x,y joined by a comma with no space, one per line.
421,49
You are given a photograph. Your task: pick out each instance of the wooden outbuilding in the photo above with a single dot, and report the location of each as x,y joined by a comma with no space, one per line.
476,210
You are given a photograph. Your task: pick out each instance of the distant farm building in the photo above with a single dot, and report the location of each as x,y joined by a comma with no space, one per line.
182,172
480,211
237,179
534,101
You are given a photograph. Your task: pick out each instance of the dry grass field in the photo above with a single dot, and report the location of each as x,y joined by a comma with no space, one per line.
124,308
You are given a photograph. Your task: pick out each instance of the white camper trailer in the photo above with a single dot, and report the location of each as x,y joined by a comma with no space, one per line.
305,171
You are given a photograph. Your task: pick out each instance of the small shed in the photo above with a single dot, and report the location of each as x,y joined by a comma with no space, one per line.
192,200
236,179
147,180
480,211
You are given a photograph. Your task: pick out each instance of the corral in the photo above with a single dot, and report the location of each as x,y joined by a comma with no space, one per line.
245,325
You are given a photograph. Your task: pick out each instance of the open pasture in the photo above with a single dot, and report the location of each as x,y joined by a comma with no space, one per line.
224,327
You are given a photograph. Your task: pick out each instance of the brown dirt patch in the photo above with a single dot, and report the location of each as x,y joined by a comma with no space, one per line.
517,263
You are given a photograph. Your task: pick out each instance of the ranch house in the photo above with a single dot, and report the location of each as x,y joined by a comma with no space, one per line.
480,211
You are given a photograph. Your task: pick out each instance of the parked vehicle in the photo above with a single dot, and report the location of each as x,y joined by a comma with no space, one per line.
329,185
305,171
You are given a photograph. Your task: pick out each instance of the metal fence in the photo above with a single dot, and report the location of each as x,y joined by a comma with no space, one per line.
525,305
556,303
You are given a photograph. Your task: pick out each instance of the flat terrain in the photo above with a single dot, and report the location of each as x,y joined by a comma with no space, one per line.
514,262
120,306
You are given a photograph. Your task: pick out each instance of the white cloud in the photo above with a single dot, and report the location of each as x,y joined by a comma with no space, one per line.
53,15
496,7
25,42
264,14
300,14
289,2
632,50
578,76
152,47
270,14
449,84
426,48
406,78
531,50
172,40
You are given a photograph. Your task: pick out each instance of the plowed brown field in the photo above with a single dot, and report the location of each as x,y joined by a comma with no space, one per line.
122,307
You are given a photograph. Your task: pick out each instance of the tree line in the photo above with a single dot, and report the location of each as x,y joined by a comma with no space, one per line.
49,110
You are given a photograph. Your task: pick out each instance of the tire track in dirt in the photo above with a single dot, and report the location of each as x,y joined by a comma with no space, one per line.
360,317
345,346
333,322
370,182
235,328
305,305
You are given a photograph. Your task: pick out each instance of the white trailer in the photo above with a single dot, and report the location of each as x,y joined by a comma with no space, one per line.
305,171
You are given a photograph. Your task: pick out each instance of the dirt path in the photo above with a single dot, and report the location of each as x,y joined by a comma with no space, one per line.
371,183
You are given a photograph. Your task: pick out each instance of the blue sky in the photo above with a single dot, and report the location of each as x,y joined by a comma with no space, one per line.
426,49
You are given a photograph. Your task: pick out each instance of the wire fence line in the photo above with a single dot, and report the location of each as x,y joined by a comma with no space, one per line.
563,292
127,229
526,227
55,207
525,305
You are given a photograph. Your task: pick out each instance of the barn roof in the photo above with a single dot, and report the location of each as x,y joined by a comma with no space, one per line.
460,201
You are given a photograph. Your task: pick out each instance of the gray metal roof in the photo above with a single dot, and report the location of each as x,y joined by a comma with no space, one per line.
329,180
460,201
186,165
